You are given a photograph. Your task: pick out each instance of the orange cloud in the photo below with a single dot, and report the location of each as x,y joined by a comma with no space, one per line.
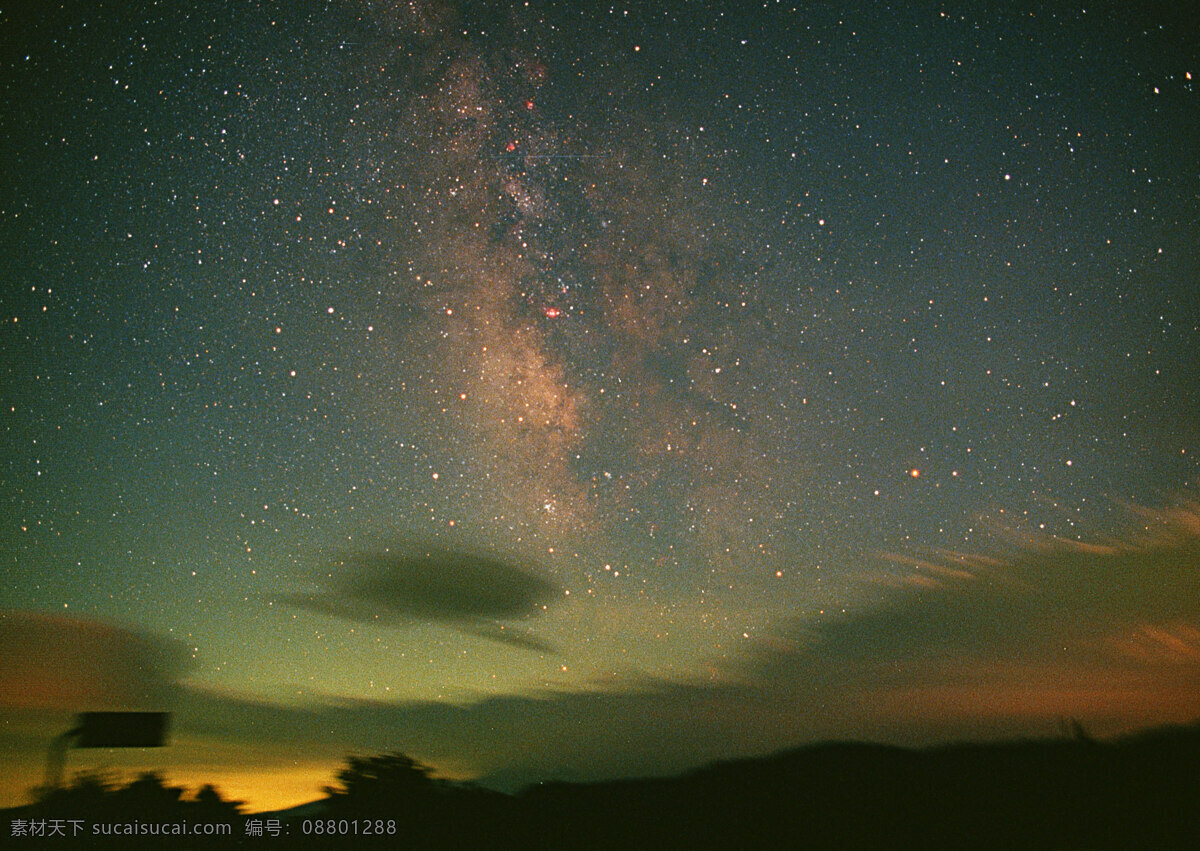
76,664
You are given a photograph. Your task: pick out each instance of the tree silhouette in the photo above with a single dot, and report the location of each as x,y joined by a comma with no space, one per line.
394,786
100,796
149,794
210,806
1073,729
393,771
87,795
383,783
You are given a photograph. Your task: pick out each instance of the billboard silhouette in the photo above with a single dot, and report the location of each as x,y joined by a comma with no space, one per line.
106,730
121,729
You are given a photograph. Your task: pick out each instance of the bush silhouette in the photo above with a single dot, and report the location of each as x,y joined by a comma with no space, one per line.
427,812
391,785
99,796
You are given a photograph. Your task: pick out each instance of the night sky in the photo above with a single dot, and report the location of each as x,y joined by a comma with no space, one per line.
571,390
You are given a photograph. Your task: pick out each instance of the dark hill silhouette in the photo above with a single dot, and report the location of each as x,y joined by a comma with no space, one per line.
1040,794
1140,792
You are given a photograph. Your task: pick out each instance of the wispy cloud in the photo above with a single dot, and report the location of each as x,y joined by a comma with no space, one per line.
479,595
1047,593
1104,631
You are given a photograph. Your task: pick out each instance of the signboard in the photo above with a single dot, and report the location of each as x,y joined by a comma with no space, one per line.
121,729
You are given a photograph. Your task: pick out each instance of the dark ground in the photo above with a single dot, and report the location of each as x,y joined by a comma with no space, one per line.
1069,793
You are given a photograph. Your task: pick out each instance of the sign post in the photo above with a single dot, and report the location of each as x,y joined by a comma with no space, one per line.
106,730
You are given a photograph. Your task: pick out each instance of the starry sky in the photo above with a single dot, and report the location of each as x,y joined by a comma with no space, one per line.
575,390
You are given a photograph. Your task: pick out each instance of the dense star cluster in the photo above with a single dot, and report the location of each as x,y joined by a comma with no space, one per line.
831,367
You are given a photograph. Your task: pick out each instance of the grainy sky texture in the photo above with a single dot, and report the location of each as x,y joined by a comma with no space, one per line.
574,389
